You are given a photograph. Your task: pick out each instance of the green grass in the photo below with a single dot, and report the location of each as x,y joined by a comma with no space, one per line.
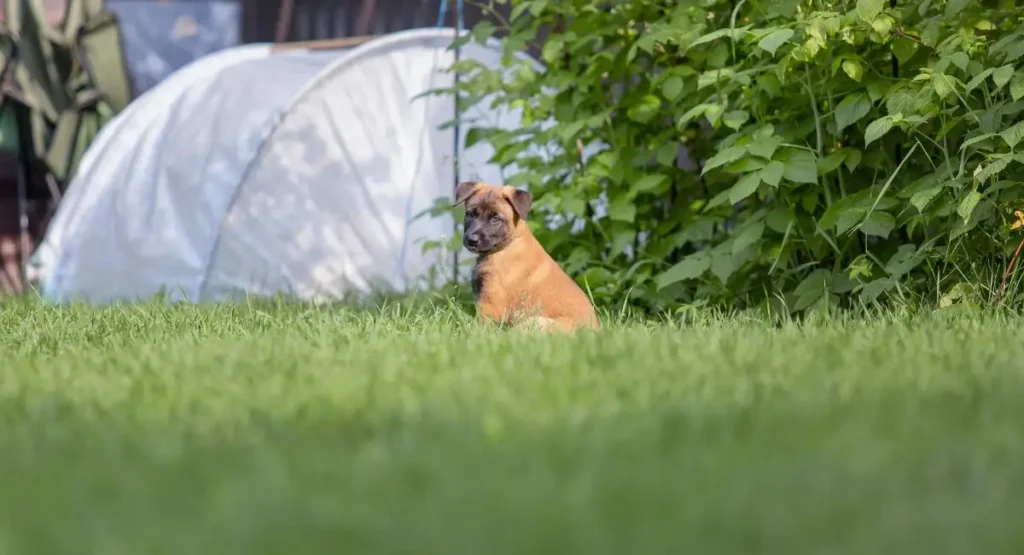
291,429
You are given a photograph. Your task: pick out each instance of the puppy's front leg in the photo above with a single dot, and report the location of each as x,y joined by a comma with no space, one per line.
492,311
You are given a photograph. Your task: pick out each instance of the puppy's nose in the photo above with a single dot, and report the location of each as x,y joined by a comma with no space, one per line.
473,239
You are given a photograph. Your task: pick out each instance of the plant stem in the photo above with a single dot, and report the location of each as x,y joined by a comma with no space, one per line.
1009,270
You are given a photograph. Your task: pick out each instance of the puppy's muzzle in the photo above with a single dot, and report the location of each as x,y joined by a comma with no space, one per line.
472,241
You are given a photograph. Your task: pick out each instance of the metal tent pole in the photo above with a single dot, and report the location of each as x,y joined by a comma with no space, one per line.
457,140
455,168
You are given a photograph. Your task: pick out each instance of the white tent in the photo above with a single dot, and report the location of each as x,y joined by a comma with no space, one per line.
258,171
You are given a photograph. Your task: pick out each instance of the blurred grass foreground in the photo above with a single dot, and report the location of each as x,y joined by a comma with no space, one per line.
296,429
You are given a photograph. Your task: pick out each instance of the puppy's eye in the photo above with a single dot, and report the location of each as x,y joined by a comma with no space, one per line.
495,220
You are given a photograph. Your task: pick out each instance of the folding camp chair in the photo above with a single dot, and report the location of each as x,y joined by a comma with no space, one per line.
61,83
101,89
72,77
14,142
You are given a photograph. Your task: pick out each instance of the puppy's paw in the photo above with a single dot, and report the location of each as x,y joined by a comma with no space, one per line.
537,323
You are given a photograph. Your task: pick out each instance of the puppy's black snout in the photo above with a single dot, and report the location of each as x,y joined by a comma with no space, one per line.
473,239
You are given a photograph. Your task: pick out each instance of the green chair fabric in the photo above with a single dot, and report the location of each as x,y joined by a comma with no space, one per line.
71,77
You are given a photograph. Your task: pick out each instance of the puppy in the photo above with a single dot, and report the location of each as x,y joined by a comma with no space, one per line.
515,281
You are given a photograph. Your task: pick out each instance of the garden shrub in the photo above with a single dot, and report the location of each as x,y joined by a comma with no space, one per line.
801,153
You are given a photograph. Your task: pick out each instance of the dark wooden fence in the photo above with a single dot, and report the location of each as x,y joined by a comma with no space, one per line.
303,20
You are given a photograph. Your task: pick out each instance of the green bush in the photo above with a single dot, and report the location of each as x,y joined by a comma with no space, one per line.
842,151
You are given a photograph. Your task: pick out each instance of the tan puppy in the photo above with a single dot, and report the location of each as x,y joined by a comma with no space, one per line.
515,281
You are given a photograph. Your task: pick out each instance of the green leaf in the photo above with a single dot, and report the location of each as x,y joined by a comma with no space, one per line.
809,201
851,109
782,68
460,42
765,131
714,76
719,199
622,239
848,219
960,60
842,283
667,154
649,183
879,224
853,69
622,211
921,199
691,114
551,51
800,166
747,236
772,173
903,49
569,131
691,267
876,288
1001,76
735,119
1017,86
765,146
882,25
979,79
746,186
672,87
953,7
903,100
723,264
968,205
475,135
483,31
745,164
977,139
959,292
725,156
853,158
780,219
930,34
645,109
770,84
877,129
903,261
811,289
519,9
868,10
1013,134
831,162
734,33
942,84
997,164
573,205
772,41
713,112
1014,52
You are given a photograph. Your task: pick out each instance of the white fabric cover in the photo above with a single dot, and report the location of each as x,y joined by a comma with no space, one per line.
251,172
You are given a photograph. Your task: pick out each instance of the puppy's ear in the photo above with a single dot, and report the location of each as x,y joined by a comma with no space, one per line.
521,201
464,191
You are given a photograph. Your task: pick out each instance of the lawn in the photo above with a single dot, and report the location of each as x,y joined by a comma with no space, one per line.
294,429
